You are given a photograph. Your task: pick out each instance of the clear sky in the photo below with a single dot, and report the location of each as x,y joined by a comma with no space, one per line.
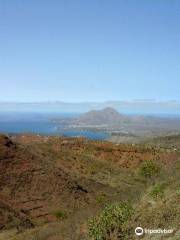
94,50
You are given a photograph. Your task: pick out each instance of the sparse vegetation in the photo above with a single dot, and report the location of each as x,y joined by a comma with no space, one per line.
101,199
178,191
59,214
110,222
158,191
149,169
87,182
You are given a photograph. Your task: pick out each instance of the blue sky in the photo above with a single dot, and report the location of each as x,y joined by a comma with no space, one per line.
98,50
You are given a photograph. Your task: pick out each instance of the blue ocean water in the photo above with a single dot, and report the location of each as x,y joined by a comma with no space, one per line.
15,123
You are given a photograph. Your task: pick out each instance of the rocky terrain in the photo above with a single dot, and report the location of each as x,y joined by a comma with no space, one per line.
52,187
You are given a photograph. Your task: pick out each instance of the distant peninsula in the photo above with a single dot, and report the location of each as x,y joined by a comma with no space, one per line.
119,126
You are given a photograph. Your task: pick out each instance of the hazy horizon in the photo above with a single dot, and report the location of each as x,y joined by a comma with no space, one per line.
126,107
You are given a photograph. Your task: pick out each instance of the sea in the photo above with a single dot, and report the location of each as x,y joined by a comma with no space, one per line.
42,123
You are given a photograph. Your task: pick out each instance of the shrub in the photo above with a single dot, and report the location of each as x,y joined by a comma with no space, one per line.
157,191
149,169
110,222
60,214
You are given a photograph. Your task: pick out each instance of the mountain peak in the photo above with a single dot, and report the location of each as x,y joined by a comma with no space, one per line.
110,110
107,116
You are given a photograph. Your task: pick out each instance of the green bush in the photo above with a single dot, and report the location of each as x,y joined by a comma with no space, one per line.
148,169
60,214
110,222
158,191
